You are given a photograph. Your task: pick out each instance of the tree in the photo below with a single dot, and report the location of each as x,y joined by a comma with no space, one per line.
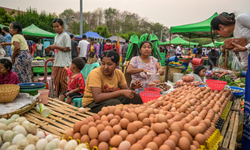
31,16
103,31
6,17
76,27
68,15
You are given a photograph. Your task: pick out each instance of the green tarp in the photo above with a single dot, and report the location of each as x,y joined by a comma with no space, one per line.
200,29
179,40
35,31
1,25
212,44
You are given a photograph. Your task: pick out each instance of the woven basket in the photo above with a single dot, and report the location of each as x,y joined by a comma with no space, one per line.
8,92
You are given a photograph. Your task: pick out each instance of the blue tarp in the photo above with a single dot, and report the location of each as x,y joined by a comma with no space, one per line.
93,35
76,37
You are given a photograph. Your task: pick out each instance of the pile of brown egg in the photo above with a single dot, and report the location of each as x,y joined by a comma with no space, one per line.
181,120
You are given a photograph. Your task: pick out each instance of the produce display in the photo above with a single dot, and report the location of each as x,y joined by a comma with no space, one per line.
17,133
181,120
187,80
163,86
240,82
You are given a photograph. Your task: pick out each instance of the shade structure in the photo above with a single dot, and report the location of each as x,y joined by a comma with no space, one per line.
115,38
76,37
33,30
1,25
200,29
91,34
212,44
179,40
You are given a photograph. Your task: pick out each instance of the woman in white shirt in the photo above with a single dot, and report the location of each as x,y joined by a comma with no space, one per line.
224,25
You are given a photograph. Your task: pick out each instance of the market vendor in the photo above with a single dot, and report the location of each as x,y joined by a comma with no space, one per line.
213,59
199,73
224,25
140,65
102,85
6,75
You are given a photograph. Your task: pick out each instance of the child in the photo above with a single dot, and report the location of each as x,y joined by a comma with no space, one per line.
76,81
6,75
199,73
103,82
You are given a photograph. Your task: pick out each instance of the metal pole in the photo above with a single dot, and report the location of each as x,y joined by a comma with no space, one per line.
161,35
81,21
65,23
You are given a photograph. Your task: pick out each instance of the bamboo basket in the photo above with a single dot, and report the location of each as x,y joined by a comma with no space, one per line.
173,70
8,92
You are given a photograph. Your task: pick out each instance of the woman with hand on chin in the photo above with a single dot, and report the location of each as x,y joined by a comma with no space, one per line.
62,49
225,24
140,65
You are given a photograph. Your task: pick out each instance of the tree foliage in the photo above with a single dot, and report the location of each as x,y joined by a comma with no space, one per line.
6,17
31,16
103,31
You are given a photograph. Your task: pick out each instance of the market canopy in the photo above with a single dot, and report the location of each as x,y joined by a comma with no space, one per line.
36,31
115,38
212,44
1,25
179,40
91,34
200,29
77,37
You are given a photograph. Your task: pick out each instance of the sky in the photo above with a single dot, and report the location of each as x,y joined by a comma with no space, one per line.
167,12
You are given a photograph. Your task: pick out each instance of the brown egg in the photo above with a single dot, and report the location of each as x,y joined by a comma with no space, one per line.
146,122
187,135
147,127
90,118
90,124
134,116
163,136
85,121
131,128
200,138
113,122
123,134
131,139
128,116
103,146
138,124
77,126
158,141
104,118
117,112
171,144
173,138
93,132
184,143
141,116
104,136
96,117
124,145
147,138
186,126
110,129
143,143
162,118
138,135
164,147
77,136
68,134
177,134
143,131
196,144
100,113
159,128
84,139
175,127
106,123
117,117
193,131
117,129
98,122
152,145
93,142
115,140
136,146
192,147
100,128
114,148
152,133
110,117
167,132
124,123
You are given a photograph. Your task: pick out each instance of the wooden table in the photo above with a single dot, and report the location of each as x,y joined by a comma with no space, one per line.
62,118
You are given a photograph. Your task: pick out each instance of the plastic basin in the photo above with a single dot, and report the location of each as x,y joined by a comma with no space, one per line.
31,91
31,85
237,93
216,84
197,61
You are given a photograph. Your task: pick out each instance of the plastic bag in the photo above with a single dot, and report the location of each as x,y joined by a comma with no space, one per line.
2,52
236,66
229,60
153,79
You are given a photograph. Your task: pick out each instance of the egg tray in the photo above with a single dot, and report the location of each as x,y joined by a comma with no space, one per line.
219,124
226,110
212,143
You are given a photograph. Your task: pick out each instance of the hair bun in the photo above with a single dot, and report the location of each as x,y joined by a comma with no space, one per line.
231,16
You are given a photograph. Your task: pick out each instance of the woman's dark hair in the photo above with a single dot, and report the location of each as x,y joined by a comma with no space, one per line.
108,40
59,20
79,63
7,63
112,54
17,26
142,43
6,29
92,39
71,36
198,69
223,19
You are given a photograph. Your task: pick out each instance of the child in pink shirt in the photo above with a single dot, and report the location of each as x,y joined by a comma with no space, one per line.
76,83
6,75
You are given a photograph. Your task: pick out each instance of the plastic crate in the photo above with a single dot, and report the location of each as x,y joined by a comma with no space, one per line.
149,95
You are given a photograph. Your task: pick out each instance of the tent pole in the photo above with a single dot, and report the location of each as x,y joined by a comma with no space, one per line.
168,56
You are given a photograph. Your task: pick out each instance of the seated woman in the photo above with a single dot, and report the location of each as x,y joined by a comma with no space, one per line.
140,65
199,73
6,75
102,84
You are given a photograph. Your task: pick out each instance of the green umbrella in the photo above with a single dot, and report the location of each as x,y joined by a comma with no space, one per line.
133,49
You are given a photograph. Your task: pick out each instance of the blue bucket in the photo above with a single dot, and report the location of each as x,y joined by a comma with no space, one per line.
173,58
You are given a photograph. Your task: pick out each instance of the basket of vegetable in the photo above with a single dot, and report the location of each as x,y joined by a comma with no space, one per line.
237,91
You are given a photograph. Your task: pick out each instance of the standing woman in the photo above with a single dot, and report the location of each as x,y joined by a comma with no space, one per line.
225,24
93,47
62,49
21,58
2,40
